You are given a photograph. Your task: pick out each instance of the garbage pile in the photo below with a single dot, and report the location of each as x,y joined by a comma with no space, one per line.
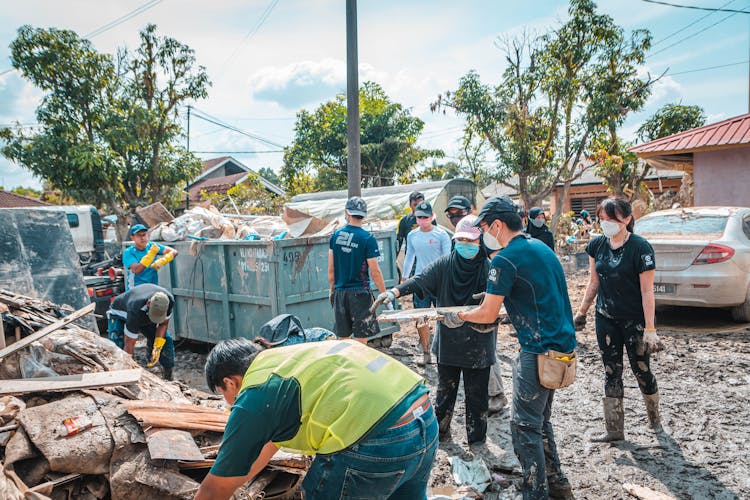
207,223
79,418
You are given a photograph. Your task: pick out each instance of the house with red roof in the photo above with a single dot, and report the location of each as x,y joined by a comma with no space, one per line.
717,156
12,200
221,174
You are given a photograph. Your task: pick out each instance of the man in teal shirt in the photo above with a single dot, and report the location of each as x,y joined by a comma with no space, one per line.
141,260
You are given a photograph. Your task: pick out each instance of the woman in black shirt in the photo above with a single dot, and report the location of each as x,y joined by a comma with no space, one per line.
622,280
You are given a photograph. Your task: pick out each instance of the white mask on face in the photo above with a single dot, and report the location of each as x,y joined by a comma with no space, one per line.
609,228
538,222
490,241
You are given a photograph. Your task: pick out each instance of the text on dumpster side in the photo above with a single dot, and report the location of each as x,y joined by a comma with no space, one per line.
254,259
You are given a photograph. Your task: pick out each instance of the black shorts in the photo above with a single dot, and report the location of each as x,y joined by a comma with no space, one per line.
351,309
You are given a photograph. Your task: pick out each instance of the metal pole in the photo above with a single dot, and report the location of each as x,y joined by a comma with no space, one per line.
354,170
187,181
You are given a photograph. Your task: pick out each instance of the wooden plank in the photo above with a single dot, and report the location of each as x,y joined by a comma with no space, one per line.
430,314
154,214
172,444
70,382
47,330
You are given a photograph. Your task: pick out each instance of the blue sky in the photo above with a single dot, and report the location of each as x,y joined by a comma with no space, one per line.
415,49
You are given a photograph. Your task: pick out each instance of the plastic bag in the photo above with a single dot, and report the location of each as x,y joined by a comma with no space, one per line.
36,363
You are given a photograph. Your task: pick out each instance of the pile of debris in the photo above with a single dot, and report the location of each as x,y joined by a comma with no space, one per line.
80,419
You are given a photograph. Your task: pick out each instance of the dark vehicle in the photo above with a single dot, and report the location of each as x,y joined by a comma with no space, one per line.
103,283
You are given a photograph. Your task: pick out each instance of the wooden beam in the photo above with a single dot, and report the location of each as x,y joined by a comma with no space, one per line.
430,314
70,382
47,330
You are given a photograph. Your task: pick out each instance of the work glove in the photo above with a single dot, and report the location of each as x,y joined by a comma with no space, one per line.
479,296
148,259
159,263
451,319
384,299
579,322
156,351
652,341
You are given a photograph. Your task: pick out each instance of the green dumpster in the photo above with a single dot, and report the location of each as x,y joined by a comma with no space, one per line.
228,289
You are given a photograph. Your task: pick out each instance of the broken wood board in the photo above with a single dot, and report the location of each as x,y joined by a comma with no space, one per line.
47,330
70,382
430,314
177,416
154,214
172,444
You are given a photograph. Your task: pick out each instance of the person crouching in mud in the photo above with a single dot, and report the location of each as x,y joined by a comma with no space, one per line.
455,280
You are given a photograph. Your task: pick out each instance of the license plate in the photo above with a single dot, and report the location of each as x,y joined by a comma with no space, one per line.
663,288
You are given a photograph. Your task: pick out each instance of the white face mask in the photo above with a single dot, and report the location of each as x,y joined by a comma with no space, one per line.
538,222
490,241
609,228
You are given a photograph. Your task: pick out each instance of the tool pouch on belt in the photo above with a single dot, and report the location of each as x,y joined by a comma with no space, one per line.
557,369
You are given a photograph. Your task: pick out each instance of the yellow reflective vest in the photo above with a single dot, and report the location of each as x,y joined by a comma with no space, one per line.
346,388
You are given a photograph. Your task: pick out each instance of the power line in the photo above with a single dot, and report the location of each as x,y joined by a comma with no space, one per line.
696,7
216,121
250,34
691,24
112,24
694,34
708,68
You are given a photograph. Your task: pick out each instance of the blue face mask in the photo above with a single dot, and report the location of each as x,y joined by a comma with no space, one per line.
466,250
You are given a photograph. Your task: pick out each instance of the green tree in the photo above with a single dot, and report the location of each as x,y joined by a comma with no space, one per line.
557,94
388,144
108,131
269,175
249,197
622,171
671,119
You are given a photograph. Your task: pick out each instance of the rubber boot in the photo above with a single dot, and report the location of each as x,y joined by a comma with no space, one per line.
652,410
614,419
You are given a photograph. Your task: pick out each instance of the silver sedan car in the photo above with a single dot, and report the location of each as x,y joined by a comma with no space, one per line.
702,257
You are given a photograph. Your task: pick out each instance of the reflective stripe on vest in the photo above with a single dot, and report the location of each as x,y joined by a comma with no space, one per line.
346,388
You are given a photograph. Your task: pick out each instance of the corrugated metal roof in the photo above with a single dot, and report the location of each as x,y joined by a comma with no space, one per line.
731,132
12,200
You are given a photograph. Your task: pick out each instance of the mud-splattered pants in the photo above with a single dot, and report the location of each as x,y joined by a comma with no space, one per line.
476,396
531,429
351,309
614,334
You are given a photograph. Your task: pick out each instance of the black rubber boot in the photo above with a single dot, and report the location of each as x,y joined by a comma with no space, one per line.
614,419
652,410
168,373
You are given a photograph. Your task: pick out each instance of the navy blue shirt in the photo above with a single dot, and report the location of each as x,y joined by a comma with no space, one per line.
352,246
529,275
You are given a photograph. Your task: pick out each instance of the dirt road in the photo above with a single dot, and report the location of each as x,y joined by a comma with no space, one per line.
704,381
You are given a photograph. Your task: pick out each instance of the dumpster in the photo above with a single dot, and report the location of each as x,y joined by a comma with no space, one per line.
227,289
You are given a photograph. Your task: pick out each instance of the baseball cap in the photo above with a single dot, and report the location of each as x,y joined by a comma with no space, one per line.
459,202
424,209
495,206
415,195
158,307
466,228
356,206
535,212
584,213
135,228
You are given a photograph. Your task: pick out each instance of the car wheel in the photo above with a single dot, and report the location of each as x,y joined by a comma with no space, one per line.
741,313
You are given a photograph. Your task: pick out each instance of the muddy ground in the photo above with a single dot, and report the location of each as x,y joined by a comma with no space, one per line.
704,381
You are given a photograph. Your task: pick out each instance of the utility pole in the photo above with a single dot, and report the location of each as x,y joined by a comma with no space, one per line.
187,181
354,169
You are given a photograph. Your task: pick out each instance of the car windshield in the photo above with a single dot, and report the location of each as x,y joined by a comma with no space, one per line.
684,224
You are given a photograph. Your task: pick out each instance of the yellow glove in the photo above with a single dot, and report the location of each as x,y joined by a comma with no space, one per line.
159,263
156,351
147,259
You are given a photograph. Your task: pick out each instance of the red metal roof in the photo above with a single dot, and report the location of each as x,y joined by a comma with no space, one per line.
214,185
731,132
12,200
209,164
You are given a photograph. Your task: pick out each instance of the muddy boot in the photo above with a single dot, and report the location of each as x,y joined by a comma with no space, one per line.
426,359
614,419
652,410
560,488
168,373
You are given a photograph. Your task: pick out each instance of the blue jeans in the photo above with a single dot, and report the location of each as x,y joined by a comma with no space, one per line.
395,464
116,333
531,429
423,303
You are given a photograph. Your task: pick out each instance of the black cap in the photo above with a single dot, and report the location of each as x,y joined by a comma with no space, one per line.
424,209
535,212
415,195
459,202
356,206
495,206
